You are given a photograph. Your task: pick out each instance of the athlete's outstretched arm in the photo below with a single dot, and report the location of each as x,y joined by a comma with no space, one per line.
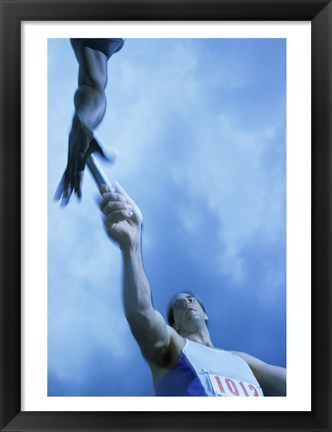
123,222
271,378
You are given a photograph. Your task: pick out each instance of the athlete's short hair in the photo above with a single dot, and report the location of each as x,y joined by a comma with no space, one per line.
170,314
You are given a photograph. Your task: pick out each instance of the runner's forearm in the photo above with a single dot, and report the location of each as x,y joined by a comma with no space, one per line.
136,288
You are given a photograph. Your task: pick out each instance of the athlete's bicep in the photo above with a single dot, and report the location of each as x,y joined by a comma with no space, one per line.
151,333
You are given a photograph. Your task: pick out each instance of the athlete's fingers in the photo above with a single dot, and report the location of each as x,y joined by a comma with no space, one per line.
120,195
113,206
78,183
106,188
120,190
116,217
117,190
111,198
109,194
67,191
59,190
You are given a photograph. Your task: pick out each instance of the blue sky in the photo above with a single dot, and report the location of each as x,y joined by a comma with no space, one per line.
200,130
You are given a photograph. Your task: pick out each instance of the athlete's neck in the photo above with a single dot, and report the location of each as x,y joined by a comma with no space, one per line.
202,336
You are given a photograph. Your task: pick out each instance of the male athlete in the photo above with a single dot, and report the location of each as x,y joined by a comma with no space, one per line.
90,107
181,355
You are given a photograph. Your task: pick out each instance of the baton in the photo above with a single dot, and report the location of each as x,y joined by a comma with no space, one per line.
97,172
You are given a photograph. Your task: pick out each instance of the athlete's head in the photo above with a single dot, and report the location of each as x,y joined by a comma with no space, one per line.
185,311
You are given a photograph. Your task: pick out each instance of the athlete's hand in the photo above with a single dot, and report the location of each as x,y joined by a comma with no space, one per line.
81,144
121,216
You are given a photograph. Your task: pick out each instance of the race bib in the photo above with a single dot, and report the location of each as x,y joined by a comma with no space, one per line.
223,386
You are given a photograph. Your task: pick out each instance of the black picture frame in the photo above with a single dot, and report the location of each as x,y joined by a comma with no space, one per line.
13,12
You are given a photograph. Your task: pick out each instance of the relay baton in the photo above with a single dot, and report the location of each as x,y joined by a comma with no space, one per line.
97,172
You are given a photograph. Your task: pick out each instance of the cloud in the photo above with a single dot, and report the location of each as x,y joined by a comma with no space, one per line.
225,174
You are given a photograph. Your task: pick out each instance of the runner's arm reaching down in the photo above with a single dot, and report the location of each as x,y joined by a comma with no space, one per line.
90,107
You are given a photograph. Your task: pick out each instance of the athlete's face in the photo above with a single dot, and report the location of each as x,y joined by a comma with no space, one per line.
188,313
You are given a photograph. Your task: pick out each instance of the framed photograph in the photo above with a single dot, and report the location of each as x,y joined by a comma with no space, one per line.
218,115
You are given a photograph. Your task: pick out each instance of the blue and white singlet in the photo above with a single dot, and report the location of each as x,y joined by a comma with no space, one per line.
204,371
